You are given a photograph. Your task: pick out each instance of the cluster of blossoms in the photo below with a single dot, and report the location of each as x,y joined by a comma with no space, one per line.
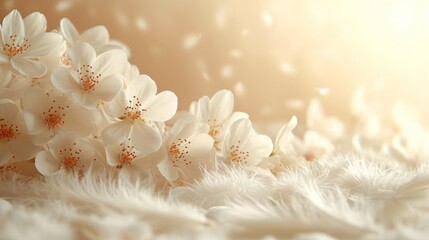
70,101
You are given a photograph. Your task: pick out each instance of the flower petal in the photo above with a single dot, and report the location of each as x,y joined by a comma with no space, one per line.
79,121
3,59
34,123
162,107
107,88
147,139
5,154
200,145
63,81
27,67
168,171
96,36
23,148
13,25
43,44
81,54
116,107
150,161
18,87
34,23
116,133
142,87
184,127
46,164
112,153
110,63
221,105
68,30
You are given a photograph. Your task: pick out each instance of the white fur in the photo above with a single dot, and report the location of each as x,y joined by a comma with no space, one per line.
343,196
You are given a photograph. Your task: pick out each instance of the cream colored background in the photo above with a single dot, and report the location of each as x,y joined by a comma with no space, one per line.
275,55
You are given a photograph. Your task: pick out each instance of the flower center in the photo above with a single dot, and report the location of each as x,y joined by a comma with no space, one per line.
8,131
12,49
134,110
178,152
236,155
54,116
88,78
71,157
70,162
127,155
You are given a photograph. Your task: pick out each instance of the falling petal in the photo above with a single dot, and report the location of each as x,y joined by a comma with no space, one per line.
226,71
141,23
190,41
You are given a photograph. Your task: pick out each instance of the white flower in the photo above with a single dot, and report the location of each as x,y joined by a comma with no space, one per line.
283,153
127,155
242,145
91,79
14,141
12,87
314,146
327,126
97,36
185,152
24,40
135,112
283,144
46,115
217,112
69,153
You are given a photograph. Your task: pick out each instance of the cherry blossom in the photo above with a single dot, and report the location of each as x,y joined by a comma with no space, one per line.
91,79
69,153
14,140
186,151
46,116
135,112
22,41
217,112
126,155
243,146
97,36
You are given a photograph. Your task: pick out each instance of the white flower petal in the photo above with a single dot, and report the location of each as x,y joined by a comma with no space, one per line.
168,171
34,23
81,54
27,67
3,59
221,105
151,160
240,130
110,63
18,87
79,121
96,36
184,127
108,87
200,145
202,109
13,25
112,154
35,101
147,139
162,107
42,45
285,135
46,164
5,154
116,107
63,81
8,110
34,123
68,30
116,133
86,100
259,146
142,87
23,148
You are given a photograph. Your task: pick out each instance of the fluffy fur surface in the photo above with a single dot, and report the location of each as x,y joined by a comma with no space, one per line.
343,196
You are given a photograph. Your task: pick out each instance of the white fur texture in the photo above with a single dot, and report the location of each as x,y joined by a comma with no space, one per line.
352,196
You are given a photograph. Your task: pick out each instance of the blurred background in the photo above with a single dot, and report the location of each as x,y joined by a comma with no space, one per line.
275,55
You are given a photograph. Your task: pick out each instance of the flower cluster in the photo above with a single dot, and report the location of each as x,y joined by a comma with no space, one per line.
70,101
